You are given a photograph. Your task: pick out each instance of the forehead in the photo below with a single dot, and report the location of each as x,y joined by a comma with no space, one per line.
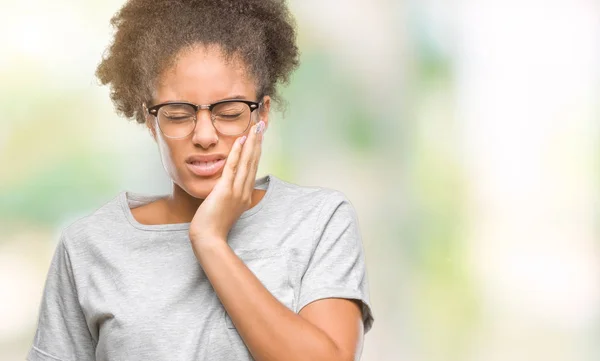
203,74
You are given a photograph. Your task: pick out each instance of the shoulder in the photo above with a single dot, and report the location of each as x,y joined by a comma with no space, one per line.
77,234
311,197
320,208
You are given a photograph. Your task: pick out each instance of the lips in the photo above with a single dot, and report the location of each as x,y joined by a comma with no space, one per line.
204,158
205,169
204,164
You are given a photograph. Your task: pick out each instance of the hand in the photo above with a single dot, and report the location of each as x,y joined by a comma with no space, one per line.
232,193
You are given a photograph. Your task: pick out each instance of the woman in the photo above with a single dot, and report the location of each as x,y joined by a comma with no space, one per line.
227,266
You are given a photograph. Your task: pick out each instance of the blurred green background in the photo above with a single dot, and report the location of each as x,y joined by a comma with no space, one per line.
465,134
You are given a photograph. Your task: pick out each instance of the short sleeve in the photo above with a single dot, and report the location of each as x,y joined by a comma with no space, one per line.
337,266
62,332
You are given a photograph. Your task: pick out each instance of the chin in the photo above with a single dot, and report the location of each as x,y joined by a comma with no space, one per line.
201,188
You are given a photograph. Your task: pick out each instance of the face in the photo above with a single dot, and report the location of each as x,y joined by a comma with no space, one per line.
201,76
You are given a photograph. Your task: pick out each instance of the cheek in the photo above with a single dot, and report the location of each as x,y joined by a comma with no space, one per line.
169,156
228,144
166,149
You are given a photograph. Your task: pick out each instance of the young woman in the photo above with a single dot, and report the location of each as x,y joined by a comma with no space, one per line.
226,266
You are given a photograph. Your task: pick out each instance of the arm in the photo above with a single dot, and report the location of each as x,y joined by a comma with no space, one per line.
62,332
326,329
329,326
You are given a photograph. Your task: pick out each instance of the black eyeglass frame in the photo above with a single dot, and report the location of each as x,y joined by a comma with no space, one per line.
153,110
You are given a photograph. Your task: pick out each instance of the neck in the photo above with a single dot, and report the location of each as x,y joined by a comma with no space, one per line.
180,206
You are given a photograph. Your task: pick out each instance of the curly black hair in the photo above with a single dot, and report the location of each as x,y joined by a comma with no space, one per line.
151,33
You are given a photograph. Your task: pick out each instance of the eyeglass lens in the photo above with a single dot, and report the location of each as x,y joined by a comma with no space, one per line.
229,118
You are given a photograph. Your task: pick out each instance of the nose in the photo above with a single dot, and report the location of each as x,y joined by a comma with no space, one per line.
205,134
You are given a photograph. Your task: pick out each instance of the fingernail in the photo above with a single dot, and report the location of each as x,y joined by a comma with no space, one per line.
260,126
243,139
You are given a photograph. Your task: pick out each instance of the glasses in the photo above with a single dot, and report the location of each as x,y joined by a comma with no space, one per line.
229,117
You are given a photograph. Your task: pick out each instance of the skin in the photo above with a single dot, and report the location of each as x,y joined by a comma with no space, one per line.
200,65
328,329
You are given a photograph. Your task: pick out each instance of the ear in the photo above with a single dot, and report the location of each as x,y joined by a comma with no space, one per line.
149,121
263,111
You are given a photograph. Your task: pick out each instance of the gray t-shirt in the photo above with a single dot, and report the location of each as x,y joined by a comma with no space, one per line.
121,290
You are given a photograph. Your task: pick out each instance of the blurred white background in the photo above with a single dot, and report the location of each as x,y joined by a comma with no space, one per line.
465,133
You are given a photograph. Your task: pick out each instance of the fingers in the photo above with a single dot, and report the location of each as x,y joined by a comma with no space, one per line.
251,178
248,162
231,165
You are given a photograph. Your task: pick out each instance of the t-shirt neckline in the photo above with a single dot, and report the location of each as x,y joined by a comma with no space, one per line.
268,182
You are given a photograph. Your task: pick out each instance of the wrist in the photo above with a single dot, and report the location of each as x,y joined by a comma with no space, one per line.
204,245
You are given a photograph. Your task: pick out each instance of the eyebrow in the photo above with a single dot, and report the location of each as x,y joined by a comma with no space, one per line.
231,97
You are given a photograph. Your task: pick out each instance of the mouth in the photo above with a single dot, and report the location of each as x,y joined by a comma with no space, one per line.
205,169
